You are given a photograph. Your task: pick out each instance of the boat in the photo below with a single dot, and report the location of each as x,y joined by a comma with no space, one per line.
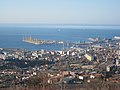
94,39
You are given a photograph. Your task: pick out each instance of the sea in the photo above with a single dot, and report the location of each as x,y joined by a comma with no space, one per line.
11,35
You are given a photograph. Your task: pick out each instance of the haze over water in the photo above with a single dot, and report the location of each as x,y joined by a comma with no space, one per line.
11,35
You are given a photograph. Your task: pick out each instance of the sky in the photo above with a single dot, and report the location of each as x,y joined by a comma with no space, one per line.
60,11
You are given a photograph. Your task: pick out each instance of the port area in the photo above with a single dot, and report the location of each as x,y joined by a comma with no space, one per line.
39,42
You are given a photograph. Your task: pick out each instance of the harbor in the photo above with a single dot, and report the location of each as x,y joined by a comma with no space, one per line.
37,41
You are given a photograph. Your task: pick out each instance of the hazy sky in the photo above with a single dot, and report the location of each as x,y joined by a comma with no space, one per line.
60,11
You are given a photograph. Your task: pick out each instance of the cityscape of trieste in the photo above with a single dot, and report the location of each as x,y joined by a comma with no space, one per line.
59,45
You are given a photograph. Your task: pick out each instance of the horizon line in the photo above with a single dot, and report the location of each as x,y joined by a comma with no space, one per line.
59,24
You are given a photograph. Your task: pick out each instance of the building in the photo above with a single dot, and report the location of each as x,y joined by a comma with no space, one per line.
109,68
89,57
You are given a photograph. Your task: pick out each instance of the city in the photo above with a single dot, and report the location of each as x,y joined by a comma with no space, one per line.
96,66
59,44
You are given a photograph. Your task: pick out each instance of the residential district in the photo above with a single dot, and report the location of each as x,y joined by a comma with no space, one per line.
84,66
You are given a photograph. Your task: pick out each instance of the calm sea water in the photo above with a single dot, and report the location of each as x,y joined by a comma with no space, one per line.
11,35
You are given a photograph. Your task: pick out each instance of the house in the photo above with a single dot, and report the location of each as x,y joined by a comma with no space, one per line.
89,57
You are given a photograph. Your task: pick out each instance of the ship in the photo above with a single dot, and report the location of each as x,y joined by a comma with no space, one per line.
94,39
